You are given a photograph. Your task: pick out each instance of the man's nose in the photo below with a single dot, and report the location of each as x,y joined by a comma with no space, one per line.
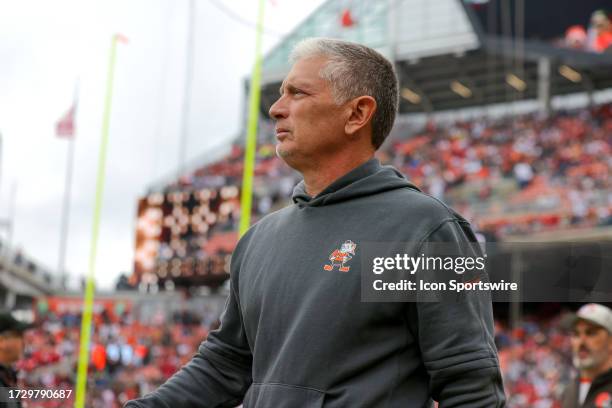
581,340
278,110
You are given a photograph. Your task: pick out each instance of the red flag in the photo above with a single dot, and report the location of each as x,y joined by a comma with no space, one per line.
347,19
65,126
122,38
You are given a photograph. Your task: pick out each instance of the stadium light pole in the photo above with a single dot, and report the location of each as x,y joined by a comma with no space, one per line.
2,250
187,90
246,196
61,263
1,162
89,288
10,221
7,223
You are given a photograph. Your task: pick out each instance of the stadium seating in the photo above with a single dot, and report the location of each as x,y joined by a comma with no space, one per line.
509,176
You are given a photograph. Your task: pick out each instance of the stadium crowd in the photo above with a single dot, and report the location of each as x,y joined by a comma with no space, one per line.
536,362
129,357
520,175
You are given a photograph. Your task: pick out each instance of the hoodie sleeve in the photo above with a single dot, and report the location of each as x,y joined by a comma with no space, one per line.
217,376
455,334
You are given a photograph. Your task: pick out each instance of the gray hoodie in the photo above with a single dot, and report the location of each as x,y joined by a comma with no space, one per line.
294,334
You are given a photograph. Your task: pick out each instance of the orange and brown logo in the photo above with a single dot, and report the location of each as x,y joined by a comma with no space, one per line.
341,256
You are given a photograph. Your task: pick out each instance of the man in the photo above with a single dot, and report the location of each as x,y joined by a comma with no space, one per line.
600,31
591,341
294,332
11,350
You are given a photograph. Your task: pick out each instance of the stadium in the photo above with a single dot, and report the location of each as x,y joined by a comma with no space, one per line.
505,115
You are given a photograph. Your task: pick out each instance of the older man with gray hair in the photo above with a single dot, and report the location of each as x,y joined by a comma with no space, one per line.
591,342
295,332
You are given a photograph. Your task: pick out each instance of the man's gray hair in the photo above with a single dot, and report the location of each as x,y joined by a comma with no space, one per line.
355,70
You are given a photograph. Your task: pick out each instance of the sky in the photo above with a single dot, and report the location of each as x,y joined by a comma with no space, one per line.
46,48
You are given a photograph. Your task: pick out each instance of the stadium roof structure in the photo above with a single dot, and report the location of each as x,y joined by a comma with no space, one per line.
25,278
451,54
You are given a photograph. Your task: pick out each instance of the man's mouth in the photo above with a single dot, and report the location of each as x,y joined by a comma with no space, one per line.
281,134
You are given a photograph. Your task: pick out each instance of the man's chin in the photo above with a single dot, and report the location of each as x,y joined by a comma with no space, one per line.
288,156
283,152
583,363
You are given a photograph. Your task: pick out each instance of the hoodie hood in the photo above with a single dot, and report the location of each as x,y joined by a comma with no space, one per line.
367,179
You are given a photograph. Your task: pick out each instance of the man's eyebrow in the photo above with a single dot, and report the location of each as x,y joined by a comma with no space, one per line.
292,86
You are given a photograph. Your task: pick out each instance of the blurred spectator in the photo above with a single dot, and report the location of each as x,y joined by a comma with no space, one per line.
576,37
523,174
600,32
11,350
591,341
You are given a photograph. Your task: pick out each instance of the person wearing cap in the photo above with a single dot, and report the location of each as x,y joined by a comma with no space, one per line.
591,342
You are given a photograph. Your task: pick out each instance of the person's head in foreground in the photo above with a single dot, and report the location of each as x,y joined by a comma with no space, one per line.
591,340
11,338
337,106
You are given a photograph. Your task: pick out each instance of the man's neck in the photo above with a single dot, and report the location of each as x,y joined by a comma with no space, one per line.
318,178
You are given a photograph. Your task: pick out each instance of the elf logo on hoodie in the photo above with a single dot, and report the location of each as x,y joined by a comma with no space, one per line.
340,256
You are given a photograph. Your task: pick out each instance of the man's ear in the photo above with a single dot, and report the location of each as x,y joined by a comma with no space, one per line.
362,109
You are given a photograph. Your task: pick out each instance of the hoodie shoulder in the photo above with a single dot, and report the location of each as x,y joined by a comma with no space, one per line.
414,200
423,213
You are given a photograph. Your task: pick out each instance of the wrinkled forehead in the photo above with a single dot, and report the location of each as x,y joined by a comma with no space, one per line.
306,73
